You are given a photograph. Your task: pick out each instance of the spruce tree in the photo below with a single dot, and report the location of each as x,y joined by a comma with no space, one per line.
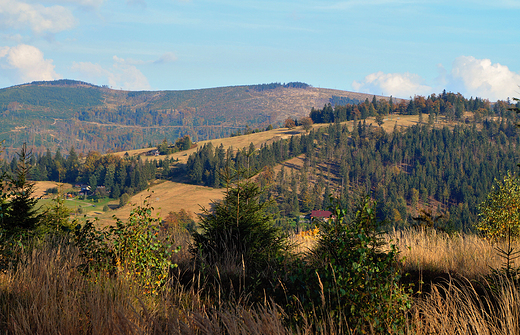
20,214
238,229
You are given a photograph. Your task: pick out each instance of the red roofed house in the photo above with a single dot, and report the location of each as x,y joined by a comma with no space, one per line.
320,214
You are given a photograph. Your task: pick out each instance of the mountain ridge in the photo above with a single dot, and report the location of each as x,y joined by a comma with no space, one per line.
66,113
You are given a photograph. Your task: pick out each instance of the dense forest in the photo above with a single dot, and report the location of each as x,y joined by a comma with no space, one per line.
107,175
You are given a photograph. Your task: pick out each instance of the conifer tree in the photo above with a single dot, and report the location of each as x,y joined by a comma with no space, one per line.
238,229
20,214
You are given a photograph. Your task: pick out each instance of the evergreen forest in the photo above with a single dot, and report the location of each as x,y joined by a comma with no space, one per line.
441,172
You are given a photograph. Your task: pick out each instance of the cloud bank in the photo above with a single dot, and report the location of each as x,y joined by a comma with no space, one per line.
468,75
36,17
25,63
480,77
122,74
397,84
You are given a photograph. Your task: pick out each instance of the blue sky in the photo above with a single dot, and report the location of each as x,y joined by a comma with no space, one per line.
400,48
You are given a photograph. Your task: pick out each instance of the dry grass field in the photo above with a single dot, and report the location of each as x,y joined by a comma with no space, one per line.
433,252
463,255
46,294
167,196
236,142
264,137
41,186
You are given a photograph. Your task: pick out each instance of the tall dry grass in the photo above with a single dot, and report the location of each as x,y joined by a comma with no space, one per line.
45,294
465,255
470,299
458,307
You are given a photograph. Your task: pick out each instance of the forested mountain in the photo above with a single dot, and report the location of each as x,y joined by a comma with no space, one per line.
67,113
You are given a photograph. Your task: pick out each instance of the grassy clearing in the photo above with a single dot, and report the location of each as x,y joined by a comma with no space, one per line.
263,137
90,209
166,197
40,188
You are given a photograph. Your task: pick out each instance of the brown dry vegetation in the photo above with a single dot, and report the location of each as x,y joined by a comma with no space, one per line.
46,294
433,252
460,254
166,197
41,186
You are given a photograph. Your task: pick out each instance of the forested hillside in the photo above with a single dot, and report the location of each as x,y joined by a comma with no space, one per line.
428,169
67,113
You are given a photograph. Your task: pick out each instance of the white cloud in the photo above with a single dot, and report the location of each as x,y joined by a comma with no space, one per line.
470,76
482,78
122,74
402,85
128,77
167,57
36,17
25,63
82,3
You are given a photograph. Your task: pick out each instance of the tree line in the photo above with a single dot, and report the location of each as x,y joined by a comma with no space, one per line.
107,175
448,104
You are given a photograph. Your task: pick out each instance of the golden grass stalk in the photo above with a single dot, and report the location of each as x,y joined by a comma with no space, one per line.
457,307
45,294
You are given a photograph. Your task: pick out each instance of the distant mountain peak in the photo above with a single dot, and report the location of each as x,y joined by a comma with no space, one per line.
61,82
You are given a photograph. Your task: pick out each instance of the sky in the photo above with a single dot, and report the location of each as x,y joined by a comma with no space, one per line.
400,48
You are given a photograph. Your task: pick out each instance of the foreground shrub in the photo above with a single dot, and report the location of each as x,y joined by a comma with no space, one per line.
132,248
500,212
351,277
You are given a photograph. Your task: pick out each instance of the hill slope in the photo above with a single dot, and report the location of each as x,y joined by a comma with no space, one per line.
65,113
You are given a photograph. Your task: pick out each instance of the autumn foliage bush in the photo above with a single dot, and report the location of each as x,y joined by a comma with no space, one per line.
133,248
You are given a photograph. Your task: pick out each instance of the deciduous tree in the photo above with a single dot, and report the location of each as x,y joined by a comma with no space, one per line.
500,212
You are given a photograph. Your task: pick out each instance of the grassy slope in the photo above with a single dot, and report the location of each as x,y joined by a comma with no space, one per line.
167,196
